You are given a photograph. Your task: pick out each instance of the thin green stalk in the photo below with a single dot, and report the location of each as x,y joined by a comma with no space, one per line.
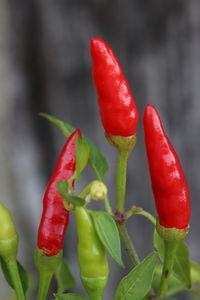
128,244
148,216
108,206
121,194
170,251
140,211
85,191
121,180
96,298
44,283
14,273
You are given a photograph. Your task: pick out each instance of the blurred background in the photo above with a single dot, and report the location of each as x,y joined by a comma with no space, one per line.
45,66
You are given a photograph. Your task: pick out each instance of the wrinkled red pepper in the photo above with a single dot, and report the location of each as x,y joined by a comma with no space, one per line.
54,216
117,106
169,185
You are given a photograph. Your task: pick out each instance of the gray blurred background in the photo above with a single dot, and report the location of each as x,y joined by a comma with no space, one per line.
45,66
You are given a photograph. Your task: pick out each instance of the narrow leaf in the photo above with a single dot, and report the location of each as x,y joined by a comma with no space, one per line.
96,159
137,283
64,277
77,201
82,155
70,297
174,285
182,264
63,187
195,271
108,233
159,245
22,273
163,298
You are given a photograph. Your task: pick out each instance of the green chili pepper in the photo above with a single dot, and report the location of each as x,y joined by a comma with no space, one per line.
91,256
8,249
8,235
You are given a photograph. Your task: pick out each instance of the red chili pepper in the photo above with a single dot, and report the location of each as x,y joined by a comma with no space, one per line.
55,217
118,110
168,181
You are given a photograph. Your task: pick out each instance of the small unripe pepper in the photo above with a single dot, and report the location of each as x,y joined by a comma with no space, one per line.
54,216
91,255
8,249
169,185
8,235
117,106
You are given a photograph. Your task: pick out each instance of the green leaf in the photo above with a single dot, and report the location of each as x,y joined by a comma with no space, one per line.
195,271
137,283
182,264
82,155
64,277
166,298
22,272
159,245
175,286
63,188
77,201
108,233
96,159
70,297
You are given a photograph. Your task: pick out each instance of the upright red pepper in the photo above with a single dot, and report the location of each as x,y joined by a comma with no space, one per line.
168,181
118,110
55,217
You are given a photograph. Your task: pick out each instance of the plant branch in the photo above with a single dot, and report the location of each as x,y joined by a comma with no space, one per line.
14,273
108,206
170,251
121,180
128,244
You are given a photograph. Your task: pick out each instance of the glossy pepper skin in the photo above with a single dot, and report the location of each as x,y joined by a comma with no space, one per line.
91,255
54,216
117,106
168,180
8,235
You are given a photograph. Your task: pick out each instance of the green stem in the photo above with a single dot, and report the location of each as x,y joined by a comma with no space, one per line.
121,180
14,273
44,283
147,215
85,191
128,244
96,298
170,251
108,206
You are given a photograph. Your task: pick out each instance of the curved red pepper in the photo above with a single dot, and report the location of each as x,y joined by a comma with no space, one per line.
54,216
168,181
118,110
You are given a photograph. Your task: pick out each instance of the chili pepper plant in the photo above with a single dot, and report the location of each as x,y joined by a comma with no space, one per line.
167,270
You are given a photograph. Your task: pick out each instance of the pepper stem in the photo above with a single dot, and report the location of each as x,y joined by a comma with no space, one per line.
121,194
121,180
44,282
107,205
14,273
170,251
96,298
85,190
128,244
